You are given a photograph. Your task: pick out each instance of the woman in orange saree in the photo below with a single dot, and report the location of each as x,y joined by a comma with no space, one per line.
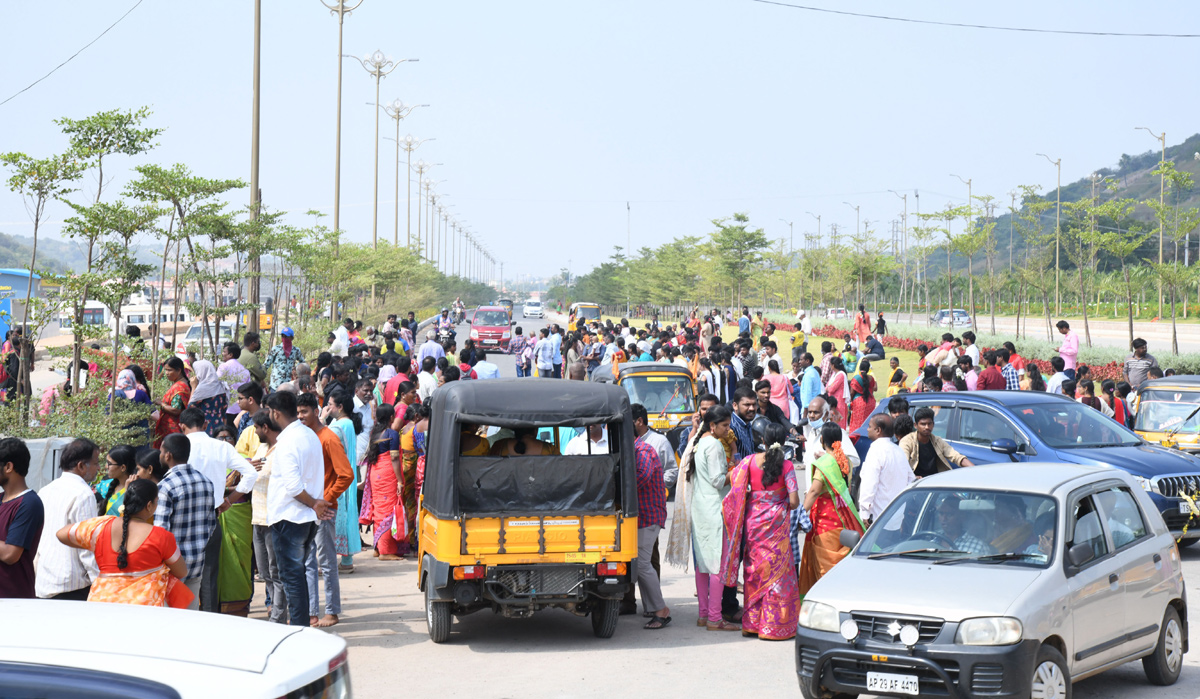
763,489
829,506
139,562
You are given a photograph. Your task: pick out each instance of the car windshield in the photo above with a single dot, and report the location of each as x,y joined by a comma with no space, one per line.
1166,411
1070,425
672,394
533,304
588,312
490,318
985,526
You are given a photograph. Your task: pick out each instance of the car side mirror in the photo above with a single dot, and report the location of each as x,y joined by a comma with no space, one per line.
849,538
1005,446
512,322
1079,555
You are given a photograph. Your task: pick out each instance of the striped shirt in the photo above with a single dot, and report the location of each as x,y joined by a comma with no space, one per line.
61,568
186,509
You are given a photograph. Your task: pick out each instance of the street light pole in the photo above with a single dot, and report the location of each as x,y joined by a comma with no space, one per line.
1161,188
397,110
818,226
341,10
1057,226
256,261
411,144
377,65
856,216
791,235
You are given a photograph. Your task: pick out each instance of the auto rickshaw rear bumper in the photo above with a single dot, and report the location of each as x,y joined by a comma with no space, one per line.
531,586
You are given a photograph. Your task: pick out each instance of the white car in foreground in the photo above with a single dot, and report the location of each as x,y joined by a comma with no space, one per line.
90,649
533,309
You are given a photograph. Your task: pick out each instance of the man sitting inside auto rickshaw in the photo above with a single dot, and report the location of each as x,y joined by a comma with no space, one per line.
669,399
523,443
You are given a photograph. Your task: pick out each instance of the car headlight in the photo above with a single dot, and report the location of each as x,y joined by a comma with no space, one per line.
818,616
504,335
1146,483
474,334
988,631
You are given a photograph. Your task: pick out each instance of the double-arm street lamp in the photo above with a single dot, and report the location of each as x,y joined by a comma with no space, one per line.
1057,218
397,110
378,64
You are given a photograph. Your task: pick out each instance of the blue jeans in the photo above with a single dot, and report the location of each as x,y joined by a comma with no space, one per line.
323,558
292,543
522,372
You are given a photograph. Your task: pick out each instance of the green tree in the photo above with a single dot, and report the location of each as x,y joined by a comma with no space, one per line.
738,249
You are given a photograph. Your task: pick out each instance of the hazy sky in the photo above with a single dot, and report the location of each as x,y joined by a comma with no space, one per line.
549,116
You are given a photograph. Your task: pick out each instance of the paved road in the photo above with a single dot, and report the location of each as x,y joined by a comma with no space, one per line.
554,655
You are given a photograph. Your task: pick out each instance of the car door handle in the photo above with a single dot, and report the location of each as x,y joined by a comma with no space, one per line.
1112,579
1157,558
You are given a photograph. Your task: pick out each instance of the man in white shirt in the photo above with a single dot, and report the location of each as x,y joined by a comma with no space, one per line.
342,334
817,413
214,459
969,348
427,381
1055,382
597,435
885,472
543,354
64,572
294,501
656,441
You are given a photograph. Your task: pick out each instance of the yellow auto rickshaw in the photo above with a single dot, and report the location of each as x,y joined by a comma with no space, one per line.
1168,412
667,391
518,534
581,313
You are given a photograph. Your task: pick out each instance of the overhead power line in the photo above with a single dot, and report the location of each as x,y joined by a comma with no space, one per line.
963,25
72,57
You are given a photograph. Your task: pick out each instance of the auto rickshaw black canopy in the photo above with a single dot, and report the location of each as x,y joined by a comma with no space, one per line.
516,403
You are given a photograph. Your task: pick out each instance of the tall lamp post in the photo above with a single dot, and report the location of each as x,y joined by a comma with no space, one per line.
255,262
1057,217
341,9
398,110
1161,186
377,65
422,167
856,215
816,216
409,145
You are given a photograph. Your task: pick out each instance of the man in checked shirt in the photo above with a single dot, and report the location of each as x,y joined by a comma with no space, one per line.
186,508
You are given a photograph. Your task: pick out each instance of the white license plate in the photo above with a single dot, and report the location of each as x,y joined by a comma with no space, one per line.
490,342
896,684
1184,508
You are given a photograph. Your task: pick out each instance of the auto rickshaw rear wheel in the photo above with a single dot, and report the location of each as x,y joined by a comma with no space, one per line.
437,615
604,617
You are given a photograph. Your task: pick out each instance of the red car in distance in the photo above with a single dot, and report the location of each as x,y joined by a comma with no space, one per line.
491,328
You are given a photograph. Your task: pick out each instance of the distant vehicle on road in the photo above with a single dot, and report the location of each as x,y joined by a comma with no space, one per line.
1168,412
998,581
533,309
581,313
491,327
1005,426
837,313
66,649
508,305
945,318
191,341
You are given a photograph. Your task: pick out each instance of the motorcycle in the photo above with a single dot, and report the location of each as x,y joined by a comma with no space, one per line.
444,335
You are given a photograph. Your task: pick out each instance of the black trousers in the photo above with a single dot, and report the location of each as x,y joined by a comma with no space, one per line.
210,601
79,595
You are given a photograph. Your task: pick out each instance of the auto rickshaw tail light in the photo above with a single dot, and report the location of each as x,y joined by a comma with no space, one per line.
469,572
610,569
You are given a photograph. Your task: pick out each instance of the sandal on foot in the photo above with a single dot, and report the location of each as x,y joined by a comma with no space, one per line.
657,622
725,626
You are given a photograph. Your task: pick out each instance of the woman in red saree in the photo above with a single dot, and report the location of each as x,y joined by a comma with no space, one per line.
763,489
174,401
830,508
862,395
382,493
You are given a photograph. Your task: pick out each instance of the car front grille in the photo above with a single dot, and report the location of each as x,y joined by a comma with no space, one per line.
551,580
875,626
987,679
1174,519
1172,486
854,673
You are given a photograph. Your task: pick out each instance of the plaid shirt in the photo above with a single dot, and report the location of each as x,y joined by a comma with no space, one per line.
972,544
186,509
800,522
1011,382
651,489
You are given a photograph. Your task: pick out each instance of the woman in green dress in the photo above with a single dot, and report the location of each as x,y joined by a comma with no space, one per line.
708,483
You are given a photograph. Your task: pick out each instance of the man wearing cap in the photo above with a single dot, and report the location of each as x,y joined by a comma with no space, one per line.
282,359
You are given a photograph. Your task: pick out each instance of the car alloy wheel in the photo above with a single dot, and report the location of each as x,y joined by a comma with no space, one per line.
1174,645
1048,682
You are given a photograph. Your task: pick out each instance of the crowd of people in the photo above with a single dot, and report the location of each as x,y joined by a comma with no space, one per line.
267,468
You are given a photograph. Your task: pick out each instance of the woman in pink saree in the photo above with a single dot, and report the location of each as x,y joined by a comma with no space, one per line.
763,489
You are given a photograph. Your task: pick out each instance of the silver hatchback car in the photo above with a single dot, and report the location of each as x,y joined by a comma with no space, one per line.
1012,580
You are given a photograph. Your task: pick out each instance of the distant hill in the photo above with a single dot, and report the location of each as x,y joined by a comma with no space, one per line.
53,255
1134,181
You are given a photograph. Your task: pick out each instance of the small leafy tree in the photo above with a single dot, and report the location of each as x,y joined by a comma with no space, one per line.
738,249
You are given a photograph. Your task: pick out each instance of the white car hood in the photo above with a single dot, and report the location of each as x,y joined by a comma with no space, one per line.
953,591
178,635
